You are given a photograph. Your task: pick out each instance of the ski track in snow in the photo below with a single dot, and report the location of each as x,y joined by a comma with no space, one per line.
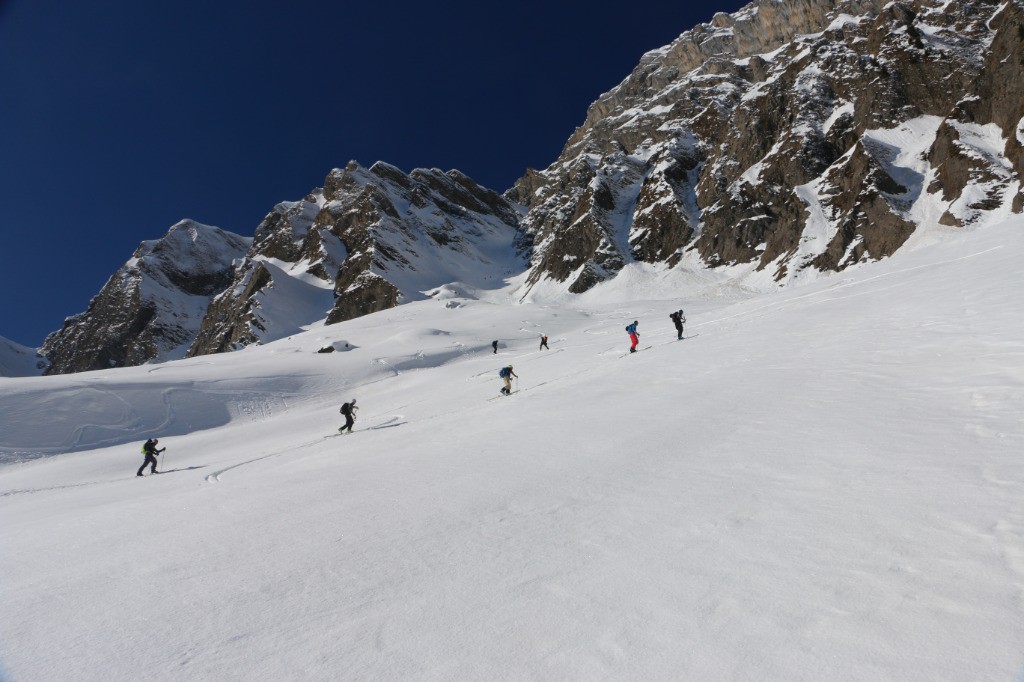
388,423
26,491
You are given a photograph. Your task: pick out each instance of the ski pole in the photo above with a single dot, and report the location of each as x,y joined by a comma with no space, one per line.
164,453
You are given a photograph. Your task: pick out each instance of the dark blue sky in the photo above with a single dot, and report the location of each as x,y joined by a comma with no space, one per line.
119,117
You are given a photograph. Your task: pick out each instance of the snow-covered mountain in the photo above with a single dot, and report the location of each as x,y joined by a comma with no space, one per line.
151,308
818,483
789,139
368,240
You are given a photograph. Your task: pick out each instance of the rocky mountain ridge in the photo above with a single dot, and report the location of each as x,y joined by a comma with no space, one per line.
371,239
790,138
365,241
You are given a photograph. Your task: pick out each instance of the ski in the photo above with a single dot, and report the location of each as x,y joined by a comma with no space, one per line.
503,395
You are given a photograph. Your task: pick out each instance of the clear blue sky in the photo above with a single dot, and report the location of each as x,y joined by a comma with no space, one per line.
119,117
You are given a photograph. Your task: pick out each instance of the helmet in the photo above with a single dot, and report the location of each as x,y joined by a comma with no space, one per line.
635,322
353,401
510,366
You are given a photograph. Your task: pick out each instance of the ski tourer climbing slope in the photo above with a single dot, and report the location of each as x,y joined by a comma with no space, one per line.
150,451
506,375
678,318
348,410
634,335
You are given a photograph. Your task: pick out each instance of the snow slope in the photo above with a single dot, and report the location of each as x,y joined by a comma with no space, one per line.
820,483
19,361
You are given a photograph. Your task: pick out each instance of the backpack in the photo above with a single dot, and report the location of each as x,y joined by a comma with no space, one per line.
147,446
503,373
346,409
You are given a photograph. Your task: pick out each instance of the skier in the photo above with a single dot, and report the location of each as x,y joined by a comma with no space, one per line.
634,336
494,345
543,343
506,374
349,410
678,318
150,451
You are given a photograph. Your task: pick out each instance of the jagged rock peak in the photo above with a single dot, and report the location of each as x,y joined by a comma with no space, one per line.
191,257
151,308
788,138
367,240
758,28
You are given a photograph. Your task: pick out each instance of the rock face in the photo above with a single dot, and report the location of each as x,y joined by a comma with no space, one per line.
152,307
366,241
791,136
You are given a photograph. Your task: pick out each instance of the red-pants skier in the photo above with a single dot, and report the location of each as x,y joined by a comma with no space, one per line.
634,336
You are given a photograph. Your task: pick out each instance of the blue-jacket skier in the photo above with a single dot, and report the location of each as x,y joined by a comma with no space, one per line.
506,375
634,335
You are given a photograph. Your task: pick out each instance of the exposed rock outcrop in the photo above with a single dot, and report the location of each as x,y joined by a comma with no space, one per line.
152,307
792,134
364,242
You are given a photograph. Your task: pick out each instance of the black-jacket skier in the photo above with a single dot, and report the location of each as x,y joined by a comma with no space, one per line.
150,451
349,410
494,345
678,319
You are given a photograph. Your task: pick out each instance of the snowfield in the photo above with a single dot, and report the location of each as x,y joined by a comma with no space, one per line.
822,483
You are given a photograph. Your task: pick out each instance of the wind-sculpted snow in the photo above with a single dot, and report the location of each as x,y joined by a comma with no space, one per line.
45,420
49,416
